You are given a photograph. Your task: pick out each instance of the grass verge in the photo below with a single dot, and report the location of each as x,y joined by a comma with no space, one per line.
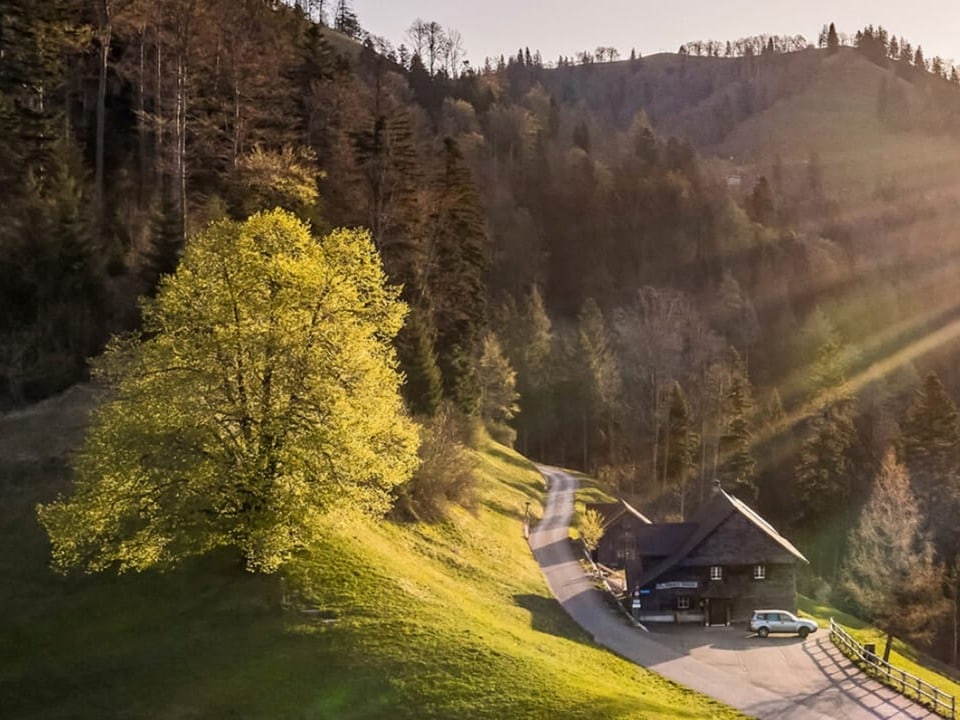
398,621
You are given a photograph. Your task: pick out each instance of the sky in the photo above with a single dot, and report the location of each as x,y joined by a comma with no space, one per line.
564,27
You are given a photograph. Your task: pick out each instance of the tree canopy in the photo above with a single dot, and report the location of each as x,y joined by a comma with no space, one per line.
262,394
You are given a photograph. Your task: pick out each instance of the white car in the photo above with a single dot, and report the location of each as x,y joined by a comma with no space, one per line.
764,622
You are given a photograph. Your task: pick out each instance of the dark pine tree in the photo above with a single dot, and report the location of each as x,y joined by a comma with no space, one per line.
456,282
930,447
423,385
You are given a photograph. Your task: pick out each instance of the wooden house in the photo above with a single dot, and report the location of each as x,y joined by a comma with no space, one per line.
621,523
716,568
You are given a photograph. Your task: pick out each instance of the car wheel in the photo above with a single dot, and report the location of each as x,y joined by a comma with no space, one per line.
803,632
763,632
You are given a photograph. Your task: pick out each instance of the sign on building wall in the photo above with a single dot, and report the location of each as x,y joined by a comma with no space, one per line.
677,584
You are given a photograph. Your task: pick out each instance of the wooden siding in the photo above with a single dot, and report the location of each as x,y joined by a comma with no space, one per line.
737,541
618,542
738,589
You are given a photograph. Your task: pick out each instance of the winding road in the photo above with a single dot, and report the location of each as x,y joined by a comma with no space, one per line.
786,679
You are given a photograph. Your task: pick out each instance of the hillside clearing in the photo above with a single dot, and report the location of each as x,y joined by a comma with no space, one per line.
408,621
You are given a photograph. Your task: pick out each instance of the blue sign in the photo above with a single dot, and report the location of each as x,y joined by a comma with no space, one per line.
644,591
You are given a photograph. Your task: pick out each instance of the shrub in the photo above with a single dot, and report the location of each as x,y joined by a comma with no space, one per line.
446,473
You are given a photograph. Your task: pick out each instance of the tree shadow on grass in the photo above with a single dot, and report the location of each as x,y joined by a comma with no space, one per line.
548,616
517,461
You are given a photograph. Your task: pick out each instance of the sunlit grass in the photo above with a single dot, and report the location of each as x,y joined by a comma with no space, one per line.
383,620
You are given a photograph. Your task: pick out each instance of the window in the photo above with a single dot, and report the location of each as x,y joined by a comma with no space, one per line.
716,572
683,602
759,572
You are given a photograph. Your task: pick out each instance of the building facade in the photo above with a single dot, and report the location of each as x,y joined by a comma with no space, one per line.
715,569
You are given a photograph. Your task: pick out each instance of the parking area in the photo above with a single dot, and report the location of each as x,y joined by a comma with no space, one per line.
780,663
790,667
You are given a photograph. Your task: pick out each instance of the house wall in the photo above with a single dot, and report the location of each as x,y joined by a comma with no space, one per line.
738,592
618,544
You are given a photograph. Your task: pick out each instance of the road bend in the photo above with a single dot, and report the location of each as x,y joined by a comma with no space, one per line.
797,681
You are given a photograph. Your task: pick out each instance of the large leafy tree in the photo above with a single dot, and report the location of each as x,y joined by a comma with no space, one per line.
890,569
262,394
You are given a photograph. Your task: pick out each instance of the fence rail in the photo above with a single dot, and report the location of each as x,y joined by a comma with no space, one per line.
909,685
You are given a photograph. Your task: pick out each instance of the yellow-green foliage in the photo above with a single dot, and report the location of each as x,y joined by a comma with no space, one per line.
591,529
418,622
263,394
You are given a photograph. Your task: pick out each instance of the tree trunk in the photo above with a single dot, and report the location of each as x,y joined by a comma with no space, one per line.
141,112
104,36
181,142
886,647
583,416
956,640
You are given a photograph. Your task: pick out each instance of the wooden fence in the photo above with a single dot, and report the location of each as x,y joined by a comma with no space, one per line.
892,676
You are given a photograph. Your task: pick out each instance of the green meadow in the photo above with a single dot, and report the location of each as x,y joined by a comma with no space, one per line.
383,621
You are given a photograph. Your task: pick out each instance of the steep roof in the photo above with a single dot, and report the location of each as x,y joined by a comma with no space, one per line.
720,507
611,512
661,539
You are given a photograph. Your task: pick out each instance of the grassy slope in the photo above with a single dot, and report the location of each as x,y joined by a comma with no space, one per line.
902,655
430,622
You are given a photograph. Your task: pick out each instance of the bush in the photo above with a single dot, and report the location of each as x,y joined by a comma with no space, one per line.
502,433
446,473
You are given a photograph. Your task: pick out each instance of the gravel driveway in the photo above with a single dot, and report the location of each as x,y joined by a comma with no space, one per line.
779,677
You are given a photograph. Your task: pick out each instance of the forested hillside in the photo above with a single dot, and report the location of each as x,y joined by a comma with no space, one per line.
688,266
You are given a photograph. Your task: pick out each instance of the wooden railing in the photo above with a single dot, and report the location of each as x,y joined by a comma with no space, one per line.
908,685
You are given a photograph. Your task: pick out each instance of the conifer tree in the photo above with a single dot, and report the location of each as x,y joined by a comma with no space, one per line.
498,384
423,385
833,41
598,378
930,444
680,446
528,341
455,281
823,471
738,466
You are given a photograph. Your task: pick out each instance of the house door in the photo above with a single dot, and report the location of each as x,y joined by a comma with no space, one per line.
718,612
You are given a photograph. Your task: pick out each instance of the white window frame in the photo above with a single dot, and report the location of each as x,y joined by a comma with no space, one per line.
716,572
683,602
759,572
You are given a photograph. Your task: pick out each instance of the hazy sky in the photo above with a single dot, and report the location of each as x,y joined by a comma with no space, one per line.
492,27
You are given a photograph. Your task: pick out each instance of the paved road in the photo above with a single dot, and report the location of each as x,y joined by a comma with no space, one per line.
784,678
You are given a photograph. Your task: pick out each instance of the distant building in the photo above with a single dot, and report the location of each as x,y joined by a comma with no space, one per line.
734,180
621,523
716,568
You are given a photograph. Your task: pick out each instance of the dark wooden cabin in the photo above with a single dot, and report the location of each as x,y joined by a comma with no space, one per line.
621,524
716,568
